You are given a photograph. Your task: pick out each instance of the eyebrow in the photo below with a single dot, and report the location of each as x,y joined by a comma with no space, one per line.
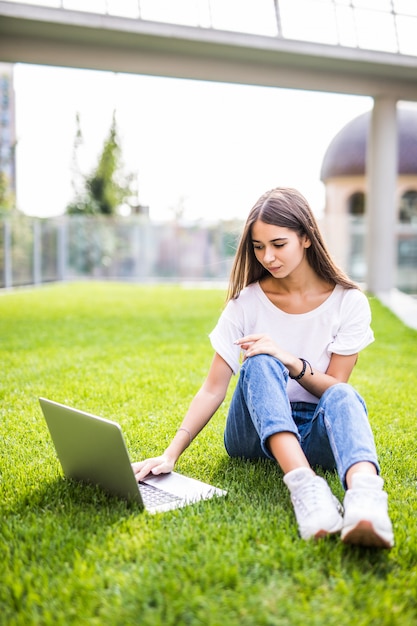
272,240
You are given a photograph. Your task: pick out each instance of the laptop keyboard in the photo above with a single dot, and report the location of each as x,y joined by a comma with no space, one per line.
153,496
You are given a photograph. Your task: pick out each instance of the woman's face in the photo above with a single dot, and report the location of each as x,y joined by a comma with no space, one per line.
279,250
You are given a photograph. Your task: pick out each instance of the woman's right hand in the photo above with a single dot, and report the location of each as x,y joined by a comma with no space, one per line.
157,465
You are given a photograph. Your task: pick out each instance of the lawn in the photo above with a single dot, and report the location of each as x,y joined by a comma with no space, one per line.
137,354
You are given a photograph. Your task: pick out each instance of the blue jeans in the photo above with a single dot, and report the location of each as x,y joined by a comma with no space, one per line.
334,434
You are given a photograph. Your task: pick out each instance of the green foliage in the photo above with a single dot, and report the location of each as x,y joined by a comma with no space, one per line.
72,555
7,198
106,189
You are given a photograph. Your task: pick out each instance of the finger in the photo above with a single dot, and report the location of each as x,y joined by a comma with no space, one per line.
149,470
247,345
248,339
142,469
138,466
146,470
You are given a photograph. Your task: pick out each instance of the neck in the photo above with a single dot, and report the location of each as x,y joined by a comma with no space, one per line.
302,281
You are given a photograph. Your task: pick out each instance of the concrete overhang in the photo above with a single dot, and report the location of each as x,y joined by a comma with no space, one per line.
47,36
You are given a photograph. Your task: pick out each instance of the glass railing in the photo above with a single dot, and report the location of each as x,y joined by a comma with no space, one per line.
380,25
35,251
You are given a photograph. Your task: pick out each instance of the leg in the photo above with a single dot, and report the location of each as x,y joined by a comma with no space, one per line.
340,430
287,451
260,424
259,409
340,435
360,468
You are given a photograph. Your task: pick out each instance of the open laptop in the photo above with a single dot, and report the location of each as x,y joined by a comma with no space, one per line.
92,449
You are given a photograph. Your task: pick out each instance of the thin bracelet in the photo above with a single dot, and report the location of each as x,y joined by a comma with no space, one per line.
187,431
303,371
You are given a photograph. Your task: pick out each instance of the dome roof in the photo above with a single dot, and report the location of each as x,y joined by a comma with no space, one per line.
346,154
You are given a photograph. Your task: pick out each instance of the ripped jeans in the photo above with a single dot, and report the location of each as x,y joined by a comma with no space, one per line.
333,434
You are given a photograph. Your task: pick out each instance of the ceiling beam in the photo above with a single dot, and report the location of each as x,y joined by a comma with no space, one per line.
41,35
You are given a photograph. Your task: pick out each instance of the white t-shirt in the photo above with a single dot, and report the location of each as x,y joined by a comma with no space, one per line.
341,324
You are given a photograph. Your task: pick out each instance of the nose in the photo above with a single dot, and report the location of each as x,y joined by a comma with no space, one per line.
269,254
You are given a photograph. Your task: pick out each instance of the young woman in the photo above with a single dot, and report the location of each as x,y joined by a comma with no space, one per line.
297,323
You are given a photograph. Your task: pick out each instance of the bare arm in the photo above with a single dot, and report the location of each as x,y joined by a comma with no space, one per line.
338,371
203,406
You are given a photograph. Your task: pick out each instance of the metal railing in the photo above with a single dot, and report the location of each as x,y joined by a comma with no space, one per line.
384,25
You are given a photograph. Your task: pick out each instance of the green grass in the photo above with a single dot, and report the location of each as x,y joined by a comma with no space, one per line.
72,555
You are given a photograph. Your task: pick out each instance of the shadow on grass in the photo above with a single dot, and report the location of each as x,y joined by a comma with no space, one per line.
66,497
255,522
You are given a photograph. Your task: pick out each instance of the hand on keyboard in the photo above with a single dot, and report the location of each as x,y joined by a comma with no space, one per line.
156,465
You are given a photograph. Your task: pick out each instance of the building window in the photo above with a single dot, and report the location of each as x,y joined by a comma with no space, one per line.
408,207
356,204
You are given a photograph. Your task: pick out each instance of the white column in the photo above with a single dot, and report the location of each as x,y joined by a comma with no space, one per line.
381,210
37,252
62,248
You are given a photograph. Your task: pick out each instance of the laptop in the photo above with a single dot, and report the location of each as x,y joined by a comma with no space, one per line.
92,449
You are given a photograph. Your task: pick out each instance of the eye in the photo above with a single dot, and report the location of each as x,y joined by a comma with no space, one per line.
279,245
257,246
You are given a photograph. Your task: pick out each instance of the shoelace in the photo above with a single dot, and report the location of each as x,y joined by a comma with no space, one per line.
314,495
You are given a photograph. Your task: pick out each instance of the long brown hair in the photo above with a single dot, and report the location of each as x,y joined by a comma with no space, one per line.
287,208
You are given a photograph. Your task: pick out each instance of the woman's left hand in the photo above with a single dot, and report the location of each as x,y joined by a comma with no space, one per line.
263,344
260,344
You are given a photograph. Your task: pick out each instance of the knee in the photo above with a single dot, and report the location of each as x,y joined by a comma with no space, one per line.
339,389
343,392
256,361
263,362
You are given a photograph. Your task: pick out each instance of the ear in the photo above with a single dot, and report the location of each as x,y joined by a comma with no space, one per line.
307,242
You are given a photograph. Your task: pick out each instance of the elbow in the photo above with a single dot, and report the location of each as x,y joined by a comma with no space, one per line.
215,394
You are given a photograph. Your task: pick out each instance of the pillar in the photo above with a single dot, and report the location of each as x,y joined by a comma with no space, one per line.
37,252
381,210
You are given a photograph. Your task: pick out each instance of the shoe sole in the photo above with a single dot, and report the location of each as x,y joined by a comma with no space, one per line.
364,534
320,534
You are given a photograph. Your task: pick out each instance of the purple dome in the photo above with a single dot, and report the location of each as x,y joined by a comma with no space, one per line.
346,154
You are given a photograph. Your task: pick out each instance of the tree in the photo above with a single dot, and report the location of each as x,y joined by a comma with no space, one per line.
7,192
7,199
107,188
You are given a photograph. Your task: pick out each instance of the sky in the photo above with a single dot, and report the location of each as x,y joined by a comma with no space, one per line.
209,148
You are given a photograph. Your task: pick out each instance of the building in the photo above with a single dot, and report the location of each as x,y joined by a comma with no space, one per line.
343,174
7,137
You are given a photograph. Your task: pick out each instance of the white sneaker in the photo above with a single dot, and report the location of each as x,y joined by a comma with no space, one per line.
317,510
366,521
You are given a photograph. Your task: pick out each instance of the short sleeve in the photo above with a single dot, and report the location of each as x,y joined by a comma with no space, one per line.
225,333
354,332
